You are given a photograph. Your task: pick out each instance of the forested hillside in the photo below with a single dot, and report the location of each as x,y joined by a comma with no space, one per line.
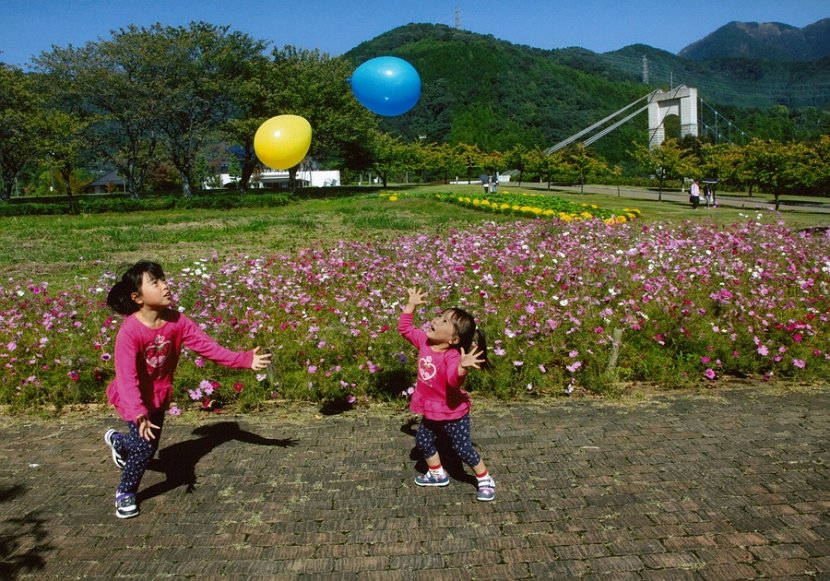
482,90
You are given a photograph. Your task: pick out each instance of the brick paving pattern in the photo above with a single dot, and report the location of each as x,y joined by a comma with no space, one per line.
730,485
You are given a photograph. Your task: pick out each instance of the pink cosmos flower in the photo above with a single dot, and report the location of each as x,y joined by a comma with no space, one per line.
312,369
574,366
762,350
800,363
199,362
174,410
709,374
206,386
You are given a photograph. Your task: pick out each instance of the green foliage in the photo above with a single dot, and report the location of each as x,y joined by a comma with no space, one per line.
120,205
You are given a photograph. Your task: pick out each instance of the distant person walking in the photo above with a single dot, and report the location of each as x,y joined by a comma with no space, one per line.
694,195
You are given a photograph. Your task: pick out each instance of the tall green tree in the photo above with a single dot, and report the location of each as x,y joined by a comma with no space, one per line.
199,62
249,106
470,157
778,168
66,144
389,155
666,161
584,162
22,125
442,159
821,165
516,158
118,82
549,167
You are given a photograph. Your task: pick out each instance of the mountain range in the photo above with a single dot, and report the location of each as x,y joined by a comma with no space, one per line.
769,41
483,90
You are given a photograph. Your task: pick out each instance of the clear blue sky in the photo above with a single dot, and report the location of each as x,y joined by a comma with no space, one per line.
335,26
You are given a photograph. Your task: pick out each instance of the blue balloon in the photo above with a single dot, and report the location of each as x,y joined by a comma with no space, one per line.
386,85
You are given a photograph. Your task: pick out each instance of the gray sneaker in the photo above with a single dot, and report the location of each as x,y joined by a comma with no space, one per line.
125,505
486,490
110,438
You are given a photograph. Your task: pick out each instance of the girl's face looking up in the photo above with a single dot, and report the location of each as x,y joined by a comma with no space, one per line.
441,330
154,292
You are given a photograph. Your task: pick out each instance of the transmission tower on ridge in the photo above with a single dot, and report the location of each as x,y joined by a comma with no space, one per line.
645,70
457,15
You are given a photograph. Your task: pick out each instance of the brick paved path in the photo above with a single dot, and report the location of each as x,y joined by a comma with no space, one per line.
735,485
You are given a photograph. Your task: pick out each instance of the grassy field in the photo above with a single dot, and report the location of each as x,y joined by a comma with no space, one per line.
59,249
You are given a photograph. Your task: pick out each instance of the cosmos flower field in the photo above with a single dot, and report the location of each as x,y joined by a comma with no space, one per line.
569,307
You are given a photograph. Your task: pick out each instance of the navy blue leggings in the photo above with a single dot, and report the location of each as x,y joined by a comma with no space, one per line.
458,432
138,453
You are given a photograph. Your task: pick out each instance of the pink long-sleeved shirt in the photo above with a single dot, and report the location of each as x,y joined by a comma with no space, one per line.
438,394
146,359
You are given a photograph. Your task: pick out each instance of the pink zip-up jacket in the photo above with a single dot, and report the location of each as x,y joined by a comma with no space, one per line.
438,394
146,359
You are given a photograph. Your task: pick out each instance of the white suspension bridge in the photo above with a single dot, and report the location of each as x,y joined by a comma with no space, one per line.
682,101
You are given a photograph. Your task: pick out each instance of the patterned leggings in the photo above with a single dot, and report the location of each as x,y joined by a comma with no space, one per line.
138,452
458,432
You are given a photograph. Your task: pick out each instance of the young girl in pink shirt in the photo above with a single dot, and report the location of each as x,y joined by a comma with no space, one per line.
147,349
445,354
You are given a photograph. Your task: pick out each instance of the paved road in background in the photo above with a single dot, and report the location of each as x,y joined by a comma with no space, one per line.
733,484
683,197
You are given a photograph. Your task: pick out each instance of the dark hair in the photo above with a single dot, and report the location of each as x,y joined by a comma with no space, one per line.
465,329
120,297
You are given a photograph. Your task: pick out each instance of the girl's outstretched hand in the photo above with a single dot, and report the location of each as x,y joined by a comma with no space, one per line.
260,361
416,296
473,358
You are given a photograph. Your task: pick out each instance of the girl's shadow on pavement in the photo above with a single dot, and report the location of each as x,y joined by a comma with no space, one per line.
178,462
449,459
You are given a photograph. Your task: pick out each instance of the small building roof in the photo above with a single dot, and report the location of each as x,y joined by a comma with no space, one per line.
109,178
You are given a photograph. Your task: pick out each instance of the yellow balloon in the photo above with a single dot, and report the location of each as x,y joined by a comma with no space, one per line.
283,141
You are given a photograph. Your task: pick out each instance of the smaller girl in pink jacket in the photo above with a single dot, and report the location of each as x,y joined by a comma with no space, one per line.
147,349
445,354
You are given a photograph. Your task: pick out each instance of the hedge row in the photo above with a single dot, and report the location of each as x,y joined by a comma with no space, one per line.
102,205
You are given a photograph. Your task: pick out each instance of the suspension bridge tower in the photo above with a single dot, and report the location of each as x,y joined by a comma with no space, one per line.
680,101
